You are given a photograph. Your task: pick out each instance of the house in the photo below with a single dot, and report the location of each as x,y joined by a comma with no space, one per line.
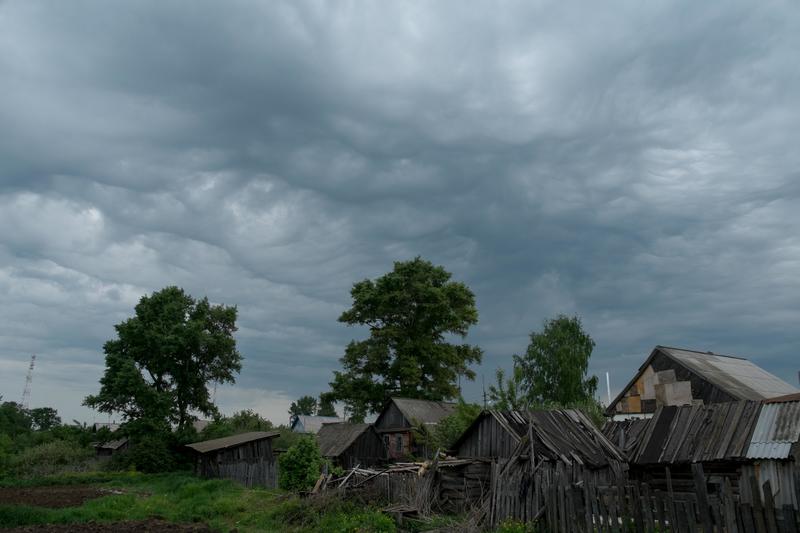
676,376
110,448
247,458
111,426
402,418
349,445
559,435
732,441
312,424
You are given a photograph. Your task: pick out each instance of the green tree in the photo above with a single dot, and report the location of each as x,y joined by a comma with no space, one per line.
305,405
325,406
554,367
240,422
45,418
449,429
411,313
507,394
160,365
14,420
300,466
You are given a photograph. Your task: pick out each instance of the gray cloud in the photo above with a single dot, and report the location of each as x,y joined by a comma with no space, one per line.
632,164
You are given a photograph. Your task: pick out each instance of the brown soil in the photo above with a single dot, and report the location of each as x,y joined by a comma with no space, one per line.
153,526
53,497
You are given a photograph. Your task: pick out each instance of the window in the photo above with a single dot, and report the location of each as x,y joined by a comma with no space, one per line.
399,444
386,441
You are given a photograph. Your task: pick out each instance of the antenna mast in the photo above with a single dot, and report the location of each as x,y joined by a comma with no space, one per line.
26,393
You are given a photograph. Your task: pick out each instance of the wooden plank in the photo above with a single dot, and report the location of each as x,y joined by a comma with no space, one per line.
748,521
789,519
728,507
612,510
769,508
702,497
660,514
647,507
758,508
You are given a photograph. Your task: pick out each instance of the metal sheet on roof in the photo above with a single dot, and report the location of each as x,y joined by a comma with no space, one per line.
735,375
778,428
229,442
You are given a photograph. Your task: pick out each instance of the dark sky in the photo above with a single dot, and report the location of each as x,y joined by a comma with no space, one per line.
637,164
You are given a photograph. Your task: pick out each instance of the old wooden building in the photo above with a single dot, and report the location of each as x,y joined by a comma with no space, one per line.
676,376
110,448
311,424
349,445
403,418
247,458
732,441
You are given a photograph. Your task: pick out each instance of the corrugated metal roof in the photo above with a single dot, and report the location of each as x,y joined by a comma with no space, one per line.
334,439
735,375
778,428
229,442
424,411
786,398
312,424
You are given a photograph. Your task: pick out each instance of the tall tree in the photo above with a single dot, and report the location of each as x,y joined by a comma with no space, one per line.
325,406
305,405
410,313
45,418
159,367
554,367
507,394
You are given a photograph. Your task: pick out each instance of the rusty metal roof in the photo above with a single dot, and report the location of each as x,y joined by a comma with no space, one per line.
778,428
231,442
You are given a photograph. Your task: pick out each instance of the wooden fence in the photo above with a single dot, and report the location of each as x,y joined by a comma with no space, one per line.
562,501
263,472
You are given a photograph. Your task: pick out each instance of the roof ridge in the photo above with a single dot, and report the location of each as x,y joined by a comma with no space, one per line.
701,352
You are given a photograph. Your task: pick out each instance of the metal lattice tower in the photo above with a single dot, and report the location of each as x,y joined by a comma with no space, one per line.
26,394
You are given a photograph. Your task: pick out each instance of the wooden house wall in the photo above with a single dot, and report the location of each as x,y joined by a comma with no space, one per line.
393,451
367,450
392,418
488,439
635,400
782,475
251,463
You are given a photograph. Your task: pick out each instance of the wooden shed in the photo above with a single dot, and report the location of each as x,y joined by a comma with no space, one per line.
676,376
350,445
110,448
401,418
247,458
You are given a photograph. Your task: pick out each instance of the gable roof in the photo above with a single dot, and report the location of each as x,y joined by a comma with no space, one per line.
232,441
423,411
334,439
112,444
735,375
558,434
312,423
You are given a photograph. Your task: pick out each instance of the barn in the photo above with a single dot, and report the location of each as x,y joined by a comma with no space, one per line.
402,418
733,441
247,458
677,376
350,445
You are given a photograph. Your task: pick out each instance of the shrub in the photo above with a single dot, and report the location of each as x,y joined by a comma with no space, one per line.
515,526
300,466
51,458
146,454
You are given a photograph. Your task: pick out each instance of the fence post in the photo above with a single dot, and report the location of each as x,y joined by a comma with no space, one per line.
702,497
758,508
769,508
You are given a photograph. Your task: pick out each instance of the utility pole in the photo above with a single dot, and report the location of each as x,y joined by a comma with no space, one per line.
26,392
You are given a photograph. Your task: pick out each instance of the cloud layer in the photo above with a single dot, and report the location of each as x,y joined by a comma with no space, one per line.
636,165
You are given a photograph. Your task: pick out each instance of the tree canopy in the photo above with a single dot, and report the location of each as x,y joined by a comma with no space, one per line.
160,365
553,371
305,405
412,312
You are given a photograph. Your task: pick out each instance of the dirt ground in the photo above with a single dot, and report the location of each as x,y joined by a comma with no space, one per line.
152,526
53,497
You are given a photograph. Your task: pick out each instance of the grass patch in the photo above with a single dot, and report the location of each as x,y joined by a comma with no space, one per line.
221,504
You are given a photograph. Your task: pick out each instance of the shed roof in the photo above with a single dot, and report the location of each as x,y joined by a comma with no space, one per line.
424,411
785,398
697,433
559,434
232,441
112,444
334,439
625,434
312,423
778,428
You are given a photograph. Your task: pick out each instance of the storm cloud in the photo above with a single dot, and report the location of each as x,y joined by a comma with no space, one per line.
636,164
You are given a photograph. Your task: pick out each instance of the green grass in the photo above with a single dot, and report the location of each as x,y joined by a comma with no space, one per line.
183,498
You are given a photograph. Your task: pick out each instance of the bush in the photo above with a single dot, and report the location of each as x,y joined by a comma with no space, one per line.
514,526
146,454
51,458
300,466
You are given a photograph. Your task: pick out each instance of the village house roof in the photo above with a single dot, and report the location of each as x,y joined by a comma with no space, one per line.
311,423
734,375
776,432
698,433
334,439
559,434
213,445
424,411
785,398
625,434
112,444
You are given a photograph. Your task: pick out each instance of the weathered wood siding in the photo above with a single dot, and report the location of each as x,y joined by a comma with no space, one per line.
367,450
489,439
391,418
251,463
